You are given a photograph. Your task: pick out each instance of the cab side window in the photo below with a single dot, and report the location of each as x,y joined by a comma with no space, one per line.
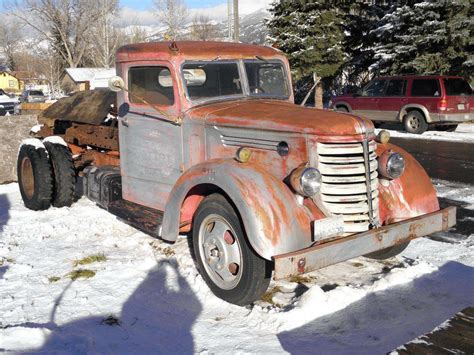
375,88
396,87
154,84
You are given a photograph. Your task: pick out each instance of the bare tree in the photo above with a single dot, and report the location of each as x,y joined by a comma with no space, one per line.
202,28
134,33
65,24
104,37
10,36
172,14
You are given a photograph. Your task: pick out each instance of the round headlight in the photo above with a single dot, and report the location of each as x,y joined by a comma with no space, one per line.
391,165
306,181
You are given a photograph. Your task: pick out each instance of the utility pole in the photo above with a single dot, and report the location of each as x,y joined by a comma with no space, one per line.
236,21
229,20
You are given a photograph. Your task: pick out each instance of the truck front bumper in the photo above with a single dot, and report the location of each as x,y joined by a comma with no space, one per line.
336,251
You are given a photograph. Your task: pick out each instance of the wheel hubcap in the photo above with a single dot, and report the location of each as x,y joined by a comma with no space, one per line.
27,177
220,251
413,122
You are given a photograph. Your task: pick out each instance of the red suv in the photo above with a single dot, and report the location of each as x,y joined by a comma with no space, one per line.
416,101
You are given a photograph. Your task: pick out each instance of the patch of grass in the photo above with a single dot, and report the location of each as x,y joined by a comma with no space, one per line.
168,252
268,296
112,321
357,264
54,279
96,258
81,274
301,279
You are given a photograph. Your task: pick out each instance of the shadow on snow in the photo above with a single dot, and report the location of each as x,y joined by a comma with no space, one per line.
397,315
156,318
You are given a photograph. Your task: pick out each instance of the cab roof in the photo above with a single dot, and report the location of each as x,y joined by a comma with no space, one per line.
199,50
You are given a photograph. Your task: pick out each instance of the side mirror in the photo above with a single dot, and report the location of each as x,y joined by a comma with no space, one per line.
116,83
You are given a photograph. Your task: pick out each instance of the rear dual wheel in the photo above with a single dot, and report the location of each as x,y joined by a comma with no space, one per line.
46,175
228,264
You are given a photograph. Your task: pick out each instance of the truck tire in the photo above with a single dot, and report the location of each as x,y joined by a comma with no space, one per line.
231,269
388,252
415,122
35,177
64,175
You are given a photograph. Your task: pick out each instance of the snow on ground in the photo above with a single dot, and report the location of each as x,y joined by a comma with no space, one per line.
148,297
464,133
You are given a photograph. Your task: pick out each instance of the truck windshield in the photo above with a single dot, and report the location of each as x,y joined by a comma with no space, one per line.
266,78
212,79
457,86
216,79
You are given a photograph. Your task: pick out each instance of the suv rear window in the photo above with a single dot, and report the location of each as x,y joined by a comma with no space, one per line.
425,87
457,87
396,87
36,93
154,84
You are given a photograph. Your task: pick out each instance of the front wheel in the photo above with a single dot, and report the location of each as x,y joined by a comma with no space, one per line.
387,252
231,269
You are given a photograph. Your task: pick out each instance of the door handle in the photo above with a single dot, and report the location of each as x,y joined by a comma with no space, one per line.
124,122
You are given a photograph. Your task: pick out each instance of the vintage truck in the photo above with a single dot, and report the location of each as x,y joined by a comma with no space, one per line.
204,138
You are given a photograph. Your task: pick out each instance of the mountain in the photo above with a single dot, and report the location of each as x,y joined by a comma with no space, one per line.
252,29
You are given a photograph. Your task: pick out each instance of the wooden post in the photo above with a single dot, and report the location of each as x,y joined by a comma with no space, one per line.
318,92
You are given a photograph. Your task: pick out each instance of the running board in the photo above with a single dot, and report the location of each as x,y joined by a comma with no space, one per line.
103,185
145,219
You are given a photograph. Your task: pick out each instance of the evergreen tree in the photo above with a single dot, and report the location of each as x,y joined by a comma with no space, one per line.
311,35
426,37
361,18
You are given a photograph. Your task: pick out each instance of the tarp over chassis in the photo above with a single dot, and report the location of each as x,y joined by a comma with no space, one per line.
90,107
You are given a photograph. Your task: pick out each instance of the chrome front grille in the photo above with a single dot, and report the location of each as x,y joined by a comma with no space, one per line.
344,189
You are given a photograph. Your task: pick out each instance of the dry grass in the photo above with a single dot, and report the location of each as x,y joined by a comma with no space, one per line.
96,258
168,252
81,274
268,296
112,321
301,279
54,279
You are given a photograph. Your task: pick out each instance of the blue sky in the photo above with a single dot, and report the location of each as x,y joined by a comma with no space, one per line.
146,4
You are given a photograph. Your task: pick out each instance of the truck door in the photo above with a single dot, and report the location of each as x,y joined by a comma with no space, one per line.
150,145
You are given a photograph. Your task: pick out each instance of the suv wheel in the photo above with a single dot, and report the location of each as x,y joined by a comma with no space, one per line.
415,122
231,269
342,109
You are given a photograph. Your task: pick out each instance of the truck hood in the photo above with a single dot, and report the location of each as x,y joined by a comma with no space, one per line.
282,116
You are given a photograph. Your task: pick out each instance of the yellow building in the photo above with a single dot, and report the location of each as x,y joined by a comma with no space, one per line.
9,83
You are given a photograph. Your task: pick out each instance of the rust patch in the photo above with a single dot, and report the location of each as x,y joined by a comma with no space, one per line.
104,137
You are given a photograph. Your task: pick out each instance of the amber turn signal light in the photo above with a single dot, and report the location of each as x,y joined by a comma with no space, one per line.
243,154
383,136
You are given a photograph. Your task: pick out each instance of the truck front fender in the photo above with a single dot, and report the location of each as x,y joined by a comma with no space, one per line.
411,195
274,221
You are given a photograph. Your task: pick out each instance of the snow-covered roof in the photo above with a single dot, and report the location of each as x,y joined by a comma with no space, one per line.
101,78
86,74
